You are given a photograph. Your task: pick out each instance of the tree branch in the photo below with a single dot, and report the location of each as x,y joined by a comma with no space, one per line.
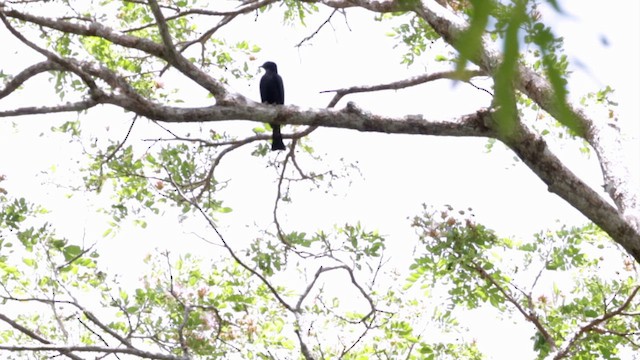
27,74
532,149
150,47
601,134
403,84
530,316
65,351
170,49
327,21
253,5
623,224
53,57
34,110
592,325
94,349
231,252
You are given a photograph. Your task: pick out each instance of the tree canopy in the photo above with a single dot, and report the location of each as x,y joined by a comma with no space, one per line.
171,67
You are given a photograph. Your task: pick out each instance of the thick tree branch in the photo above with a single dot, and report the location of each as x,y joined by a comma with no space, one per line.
532,149
601,134
529,146
51,56
27,74
623,224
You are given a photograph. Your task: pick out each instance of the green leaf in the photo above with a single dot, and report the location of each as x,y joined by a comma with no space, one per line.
470,42
29,262
590,313
71,251
505,96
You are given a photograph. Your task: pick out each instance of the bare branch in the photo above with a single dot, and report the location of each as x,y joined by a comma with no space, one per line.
328,21
35,110
310,286
403,84
86,326
182,13
120,144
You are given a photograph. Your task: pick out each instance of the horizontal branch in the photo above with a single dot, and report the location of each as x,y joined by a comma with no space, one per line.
405,83
350,117
35,110
93,349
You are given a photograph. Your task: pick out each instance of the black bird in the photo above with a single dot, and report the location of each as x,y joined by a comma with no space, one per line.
272,92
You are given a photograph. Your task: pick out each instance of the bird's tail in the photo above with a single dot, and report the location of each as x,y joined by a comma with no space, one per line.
276,138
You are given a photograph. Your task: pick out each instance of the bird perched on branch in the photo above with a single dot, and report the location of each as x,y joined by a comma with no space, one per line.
272,92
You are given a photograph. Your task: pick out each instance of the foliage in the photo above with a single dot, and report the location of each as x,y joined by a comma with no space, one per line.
573,308
295,292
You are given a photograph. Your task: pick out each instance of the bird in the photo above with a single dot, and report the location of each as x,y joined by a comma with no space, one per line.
272,92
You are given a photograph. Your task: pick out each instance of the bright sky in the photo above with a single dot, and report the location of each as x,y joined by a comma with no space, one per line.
399,173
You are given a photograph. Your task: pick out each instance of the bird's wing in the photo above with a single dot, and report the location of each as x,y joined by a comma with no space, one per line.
280,99
263,88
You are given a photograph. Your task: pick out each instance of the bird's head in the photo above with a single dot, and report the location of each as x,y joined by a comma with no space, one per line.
270,66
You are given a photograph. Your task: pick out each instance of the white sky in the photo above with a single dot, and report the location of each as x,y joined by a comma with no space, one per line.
399,172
